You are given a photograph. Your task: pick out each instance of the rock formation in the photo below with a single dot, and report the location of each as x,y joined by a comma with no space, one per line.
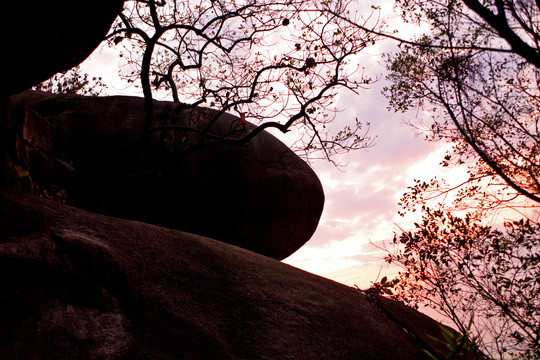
41,38
259,196
77,285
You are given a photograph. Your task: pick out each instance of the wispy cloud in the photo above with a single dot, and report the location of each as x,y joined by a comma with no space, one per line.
361,199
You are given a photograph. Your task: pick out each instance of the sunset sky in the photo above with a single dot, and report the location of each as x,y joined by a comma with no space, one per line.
361,209
361,197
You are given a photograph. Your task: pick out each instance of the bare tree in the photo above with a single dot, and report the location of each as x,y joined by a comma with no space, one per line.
276,63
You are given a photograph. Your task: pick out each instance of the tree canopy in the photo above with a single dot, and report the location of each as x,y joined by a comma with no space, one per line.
473,79
275,63
475,76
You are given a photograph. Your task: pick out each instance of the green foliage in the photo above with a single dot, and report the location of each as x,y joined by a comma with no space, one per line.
460,346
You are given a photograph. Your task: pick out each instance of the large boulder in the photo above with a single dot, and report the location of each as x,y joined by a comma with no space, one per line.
83,151
41,38
78,285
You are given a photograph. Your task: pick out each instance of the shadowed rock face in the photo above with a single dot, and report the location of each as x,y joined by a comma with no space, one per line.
78,285
260,196
41,38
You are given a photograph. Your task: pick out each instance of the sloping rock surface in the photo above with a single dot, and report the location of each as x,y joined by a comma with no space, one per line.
259,196
77,285
41,38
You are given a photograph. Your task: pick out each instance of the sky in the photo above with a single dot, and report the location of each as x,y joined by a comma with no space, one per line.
361,208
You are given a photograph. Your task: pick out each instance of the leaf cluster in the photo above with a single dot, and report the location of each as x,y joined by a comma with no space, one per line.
460,345
463,268
474,79
73,82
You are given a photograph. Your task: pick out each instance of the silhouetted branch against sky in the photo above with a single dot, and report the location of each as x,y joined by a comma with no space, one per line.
276,63
476,74
361,203
473,77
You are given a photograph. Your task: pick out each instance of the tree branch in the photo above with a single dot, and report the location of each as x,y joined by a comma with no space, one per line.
500,24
